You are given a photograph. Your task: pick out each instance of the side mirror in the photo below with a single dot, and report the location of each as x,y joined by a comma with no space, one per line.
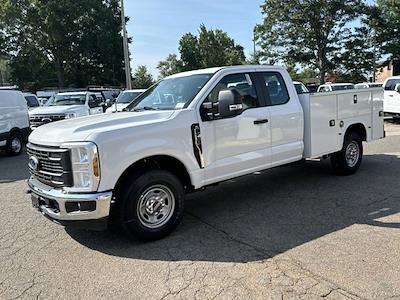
397,88
230,103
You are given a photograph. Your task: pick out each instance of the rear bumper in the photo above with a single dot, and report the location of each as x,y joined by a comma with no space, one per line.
89,211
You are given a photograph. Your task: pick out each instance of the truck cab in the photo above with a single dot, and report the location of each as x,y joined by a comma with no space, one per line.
391,88
66,106
189,131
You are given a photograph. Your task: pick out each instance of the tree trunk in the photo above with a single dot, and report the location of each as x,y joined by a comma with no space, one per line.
60,72
321,66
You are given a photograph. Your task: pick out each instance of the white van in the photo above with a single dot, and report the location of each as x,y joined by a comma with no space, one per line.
391,103
14,121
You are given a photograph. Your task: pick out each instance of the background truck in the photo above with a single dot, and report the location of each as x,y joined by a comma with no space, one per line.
66,106
187,132
392,96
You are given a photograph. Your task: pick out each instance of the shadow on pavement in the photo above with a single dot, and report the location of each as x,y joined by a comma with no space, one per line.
13,168
259,216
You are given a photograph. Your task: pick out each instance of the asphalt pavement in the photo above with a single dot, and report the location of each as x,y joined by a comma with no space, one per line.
296,232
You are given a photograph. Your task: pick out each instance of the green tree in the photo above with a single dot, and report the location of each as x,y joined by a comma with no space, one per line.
211,48
142,79
384,20
357,61
170,65
309,32
190,52
80,40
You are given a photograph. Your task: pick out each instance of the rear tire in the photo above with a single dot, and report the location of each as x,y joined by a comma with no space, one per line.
151,206
348,160
14,144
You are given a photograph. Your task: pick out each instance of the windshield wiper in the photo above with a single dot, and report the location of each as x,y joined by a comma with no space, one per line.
144,108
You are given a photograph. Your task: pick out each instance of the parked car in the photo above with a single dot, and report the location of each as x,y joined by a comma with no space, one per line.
14,121
391,88
123,100
369,85
300,87
31,100
189,131
65,106
332,87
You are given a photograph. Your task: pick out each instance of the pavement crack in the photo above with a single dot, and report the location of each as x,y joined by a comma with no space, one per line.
259,250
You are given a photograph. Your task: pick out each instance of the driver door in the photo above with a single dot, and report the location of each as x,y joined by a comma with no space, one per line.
241,144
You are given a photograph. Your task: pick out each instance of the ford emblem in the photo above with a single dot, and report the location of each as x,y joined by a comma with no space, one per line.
46,120
33,163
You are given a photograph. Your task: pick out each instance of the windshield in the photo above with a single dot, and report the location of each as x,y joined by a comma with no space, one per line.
70,99
342,87
170,94
127,97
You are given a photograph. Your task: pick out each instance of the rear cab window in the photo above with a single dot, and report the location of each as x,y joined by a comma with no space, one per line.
275,87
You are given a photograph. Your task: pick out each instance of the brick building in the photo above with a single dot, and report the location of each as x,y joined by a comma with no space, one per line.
387,69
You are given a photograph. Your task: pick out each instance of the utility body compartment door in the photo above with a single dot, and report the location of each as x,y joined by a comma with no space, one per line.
321,133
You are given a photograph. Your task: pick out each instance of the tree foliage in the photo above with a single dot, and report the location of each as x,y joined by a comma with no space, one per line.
142,79
384,20
80,41
309,32
211,48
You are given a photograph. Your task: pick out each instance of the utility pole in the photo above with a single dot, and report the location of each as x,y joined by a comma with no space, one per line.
126,50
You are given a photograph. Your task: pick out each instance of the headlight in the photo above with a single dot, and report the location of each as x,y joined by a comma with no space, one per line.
70,115
85,166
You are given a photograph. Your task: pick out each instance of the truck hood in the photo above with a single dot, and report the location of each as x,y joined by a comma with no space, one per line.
62,109
79,129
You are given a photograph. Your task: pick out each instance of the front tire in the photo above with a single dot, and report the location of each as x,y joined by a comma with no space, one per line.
14,144
348,160
151,206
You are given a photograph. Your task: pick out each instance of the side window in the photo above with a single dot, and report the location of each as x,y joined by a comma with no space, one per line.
93,101
31,101
276,88
240,82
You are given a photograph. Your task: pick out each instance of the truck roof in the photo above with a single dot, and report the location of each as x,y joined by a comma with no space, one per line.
217,69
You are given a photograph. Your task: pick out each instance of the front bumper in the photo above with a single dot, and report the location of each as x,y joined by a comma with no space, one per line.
88,211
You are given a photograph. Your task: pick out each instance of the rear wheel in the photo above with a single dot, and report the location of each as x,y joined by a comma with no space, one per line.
348,160
14,144
151,206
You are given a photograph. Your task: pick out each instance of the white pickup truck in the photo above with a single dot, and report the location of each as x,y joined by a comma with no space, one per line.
65,106
187,132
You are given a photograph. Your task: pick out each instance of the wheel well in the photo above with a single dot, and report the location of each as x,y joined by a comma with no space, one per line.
162,162
359,129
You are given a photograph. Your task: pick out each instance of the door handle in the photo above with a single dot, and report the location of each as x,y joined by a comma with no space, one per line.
262,121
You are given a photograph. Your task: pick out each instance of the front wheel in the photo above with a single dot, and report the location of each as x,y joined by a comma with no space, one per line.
14,144
348,160
152,206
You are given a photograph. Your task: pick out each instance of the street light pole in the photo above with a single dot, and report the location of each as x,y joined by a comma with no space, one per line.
126,50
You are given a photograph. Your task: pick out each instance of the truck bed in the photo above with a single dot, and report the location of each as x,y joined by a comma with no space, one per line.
327,116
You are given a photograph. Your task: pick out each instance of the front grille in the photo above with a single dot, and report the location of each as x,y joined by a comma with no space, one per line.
39,120
51,166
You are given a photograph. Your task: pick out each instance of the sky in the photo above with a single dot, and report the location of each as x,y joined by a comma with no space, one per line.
157,25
